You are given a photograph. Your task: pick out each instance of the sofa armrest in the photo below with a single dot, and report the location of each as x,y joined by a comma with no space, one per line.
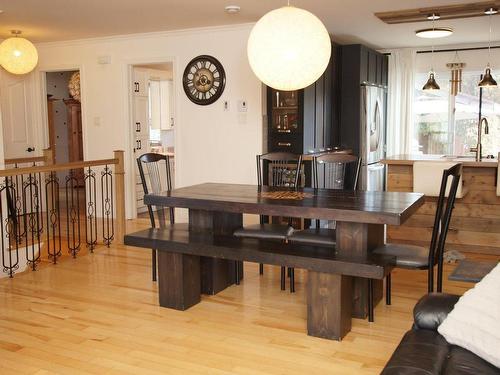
432,309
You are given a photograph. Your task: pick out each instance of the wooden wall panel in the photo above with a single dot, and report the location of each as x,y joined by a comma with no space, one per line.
475,225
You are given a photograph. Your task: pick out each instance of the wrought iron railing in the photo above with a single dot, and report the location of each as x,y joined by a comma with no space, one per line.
41,215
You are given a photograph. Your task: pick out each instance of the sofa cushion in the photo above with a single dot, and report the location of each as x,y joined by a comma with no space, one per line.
463,362
474,323
420,352
432,309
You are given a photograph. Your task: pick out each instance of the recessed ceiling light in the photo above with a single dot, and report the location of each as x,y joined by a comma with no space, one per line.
491,11
232,9
436,32
433,17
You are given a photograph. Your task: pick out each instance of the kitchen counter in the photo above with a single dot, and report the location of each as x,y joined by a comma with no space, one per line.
409,159
475,224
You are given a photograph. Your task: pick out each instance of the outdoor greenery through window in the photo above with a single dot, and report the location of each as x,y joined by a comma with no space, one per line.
447,124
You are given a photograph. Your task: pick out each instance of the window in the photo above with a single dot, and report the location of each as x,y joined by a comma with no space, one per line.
447,124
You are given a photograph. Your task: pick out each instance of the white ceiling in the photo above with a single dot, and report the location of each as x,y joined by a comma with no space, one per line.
349,21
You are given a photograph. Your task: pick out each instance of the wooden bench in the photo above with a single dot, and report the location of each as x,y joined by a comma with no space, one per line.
181,270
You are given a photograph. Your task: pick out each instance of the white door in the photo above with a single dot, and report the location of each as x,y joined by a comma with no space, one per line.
16,101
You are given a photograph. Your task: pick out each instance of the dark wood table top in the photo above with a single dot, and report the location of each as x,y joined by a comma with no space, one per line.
370,207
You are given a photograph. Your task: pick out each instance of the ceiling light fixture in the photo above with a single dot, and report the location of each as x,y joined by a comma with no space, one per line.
289,48
488,80
18,55
437,32
232,9
431,83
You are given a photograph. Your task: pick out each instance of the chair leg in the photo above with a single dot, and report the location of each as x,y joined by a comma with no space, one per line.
430,279
439,286
288,272
283,277
388,289
153,262
261,269
370,300
292,280
237,272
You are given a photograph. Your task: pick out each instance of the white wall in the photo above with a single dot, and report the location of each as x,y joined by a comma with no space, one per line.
210,144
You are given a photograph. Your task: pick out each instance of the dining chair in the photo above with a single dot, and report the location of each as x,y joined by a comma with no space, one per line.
425,258
339,171
275,169
155,173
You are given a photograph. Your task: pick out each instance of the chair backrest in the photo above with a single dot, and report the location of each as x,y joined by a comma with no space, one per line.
336,171
282,169
444,209
156,177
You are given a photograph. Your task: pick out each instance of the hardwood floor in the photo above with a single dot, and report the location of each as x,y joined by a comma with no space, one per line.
99,314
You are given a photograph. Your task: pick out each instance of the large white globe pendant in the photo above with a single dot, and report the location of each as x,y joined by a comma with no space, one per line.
289,48
18,55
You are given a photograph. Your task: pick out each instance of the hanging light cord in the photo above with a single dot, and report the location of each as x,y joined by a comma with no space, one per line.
432,47
489,42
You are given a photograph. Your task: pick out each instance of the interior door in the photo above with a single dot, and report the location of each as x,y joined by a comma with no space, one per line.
16,101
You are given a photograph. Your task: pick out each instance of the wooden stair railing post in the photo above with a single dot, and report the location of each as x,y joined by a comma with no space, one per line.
48,156
119,196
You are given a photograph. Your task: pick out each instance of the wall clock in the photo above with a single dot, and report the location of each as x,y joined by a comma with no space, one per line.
204,80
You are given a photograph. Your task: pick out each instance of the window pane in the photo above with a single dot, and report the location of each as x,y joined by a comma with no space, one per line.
431,116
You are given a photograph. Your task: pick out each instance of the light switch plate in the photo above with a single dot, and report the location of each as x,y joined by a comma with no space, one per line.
242,105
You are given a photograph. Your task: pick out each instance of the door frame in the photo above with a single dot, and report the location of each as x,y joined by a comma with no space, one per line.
42,81
128,101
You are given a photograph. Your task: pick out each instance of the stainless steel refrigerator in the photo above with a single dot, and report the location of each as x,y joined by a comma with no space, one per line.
372,137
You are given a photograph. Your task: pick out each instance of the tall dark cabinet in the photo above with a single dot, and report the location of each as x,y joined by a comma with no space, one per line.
305,120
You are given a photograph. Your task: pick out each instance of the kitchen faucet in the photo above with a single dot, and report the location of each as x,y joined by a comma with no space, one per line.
479,148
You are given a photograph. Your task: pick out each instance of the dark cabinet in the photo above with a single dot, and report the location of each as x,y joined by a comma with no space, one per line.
305,120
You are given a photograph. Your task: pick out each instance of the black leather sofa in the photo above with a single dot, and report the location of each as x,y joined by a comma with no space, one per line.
424,351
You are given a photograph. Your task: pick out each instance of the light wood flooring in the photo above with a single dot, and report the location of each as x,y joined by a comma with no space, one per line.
99,314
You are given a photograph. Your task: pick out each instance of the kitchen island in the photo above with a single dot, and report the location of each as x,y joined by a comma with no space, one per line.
475,224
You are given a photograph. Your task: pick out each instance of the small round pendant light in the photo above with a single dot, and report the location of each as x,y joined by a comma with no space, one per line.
488,81
18,55
289,48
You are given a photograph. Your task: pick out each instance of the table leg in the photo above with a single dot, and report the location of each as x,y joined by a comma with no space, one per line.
178,280
216,274
358,240
328,305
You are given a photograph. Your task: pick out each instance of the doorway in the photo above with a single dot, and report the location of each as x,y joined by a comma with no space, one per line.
153,119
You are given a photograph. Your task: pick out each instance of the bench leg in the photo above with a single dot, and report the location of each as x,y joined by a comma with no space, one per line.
178,280
329,305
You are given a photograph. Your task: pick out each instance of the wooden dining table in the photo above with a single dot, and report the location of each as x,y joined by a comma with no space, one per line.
337,281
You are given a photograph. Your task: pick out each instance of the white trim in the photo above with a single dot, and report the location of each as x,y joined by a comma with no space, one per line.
127,99
44,126
155,34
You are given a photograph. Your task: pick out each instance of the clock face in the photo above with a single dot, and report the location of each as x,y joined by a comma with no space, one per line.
204,80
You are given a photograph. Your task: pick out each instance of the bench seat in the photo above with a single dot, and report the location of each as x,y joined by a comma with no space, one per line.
312,258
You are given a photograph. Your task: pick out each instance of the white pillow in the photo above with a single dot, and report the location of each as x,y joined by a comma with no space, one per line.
474,322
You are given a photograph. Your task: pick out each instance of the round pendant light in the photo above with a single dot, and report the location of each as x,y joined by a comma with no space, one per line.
289,48
438,32
18,55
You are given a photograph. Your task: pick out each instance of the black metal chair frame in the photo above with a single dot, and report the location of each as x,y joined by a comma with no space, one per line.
442,220
156,158
283,158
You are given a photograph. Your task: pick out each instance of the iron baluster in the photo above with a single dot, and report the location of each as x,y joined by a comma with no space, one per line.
91,220
31,214
107,205
8,219
53,217
72,213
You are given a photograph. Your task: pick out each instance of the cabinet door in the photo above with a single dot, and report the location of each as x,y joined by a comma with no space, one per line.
166,105
372,67
140,126
140,82
363,66
155,100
